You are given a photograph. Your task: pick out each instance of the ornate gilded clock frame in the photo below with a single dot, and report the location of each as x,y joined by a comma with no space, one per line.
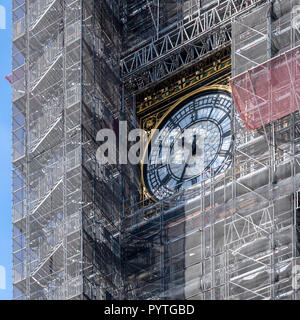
214,78
146,194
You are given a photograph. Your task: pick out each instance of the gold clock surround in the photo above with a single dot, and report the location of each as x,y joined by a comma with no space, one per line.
145,193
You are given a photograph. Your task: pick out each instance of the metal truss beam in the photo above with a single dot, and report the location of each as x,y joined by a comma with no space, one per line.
204,34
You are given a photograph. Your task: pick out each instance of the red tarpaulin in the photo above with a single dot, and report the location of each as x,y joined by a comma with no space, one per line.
9,78
269,91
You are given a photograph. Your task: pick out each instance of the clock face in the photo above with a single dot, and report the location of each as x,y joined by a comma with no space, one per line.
191,144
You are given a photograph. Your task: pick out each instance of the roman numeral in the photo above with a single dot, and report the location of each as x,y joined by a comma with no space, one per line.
226,134
166,179
224,118
194,181
223,153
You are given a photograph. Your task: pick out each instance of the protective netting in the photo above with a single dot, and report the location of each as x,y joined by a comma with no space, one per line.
269,91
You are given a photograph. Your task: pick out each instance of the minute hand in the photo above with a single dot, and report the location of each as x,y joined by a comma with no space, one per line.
179,182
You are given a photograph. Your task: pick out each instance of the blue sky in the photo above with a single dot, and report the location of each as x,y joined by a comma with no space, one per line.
5,159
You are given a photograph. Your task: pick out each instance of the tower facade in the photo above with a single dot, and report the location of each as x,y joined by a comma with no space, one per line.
83,230
66,87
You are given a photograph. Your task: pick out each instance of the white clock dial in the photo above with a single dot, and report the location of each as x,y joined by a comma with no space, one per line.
169,170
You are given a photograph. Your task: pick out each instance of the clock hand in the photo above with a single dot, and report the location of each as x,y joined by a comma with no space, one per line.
196,150
179,182
183,173
194,146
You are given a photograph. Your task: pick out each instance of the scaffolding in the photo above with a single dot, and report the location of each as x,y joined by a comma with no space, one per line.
186,31
79,231
66,207
235,235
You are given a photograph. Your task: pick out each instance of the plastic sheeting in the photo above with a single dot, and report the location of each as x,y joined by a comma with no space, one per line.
9,78
269,91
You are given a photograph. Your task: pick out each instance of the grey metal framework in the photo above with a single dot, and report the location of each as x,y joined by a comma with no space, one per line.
78,231
66,208
200,30
234,235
